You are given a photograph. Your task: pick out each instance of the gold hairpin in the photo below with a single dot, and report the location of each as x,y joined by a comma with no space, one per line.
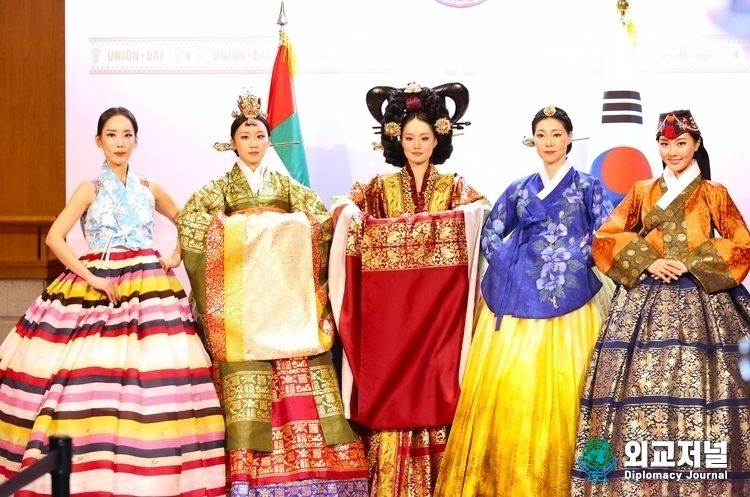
529,142
223,147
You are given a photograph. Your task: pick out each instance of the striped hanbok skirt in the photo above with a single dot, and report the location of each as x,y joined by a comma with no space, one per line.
128,382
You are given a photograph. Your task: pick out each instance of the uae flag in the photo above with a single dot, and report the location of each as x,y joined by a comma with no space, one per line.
282,113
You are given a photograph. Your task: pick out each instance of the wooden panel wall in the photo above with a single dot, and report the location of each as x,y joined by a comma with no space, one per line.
32,133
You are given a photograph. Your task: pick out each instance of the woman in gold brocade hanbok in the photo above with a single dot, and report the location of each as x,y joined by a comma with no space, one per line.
666,365
286,432
416,127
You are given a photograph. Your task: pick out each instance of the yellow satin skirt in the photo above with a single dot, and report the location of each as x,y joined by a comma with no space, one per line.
515,426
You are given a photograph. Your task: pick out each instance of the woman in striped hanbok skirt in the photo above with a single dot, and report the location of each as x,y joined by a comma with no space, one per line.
108,354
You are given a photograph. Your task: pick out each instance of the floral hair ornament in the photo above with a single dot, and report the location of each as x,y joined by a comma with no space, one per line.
392,130
415,95
673,124
249,106
413,88
443,126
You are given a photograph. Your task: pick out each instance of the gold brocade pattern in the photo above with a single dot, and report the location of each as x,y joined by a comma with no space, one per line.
666,368
228,194
216,341
241,241
231,255
326,325
432,244
306,389
639,232
630,262
247,396
287,440
406,193
441,193
381,197
328,399
462,193
295,378
393,200
355,235
301,448
231,193
308,458
674,227
706,263
394,475
405,463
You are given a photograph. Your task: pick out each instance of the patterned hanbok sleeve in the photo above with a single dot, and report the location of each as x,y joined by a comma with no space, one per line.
502,220
722,263
619,251
598,204
192,228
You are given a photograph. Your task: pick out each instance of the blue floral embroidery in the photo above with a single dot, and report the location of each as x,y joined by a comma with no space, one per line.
494,229
521,198
552,270
601,206
498,221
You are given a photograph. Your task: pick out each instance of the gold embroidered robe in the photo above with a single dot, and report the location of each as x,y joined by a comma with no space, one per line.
265,448
665,366
405,462
639,232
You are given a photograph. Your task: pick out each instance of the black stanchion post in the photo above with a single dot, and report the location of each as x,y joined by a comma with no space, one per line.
61,474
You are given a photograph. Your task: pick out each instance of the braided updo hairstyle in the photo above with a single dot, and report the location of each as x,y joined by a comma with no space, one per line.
433,108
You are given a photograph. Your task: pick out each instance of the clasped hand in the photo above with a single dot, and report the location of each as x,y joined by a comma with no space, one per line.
667,270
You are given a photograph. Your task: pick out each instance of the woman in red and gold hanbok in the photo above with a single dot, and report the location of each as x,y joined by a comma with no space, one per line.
664,387
402,278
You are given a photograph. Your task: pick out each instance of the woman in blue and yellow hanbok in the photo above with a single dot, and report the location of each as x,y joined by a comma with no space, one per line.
543,308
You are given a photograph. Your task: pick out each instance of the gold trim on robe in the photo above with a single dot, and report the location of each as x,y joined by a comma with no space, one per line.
392,195
405,462
245,388
639,232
